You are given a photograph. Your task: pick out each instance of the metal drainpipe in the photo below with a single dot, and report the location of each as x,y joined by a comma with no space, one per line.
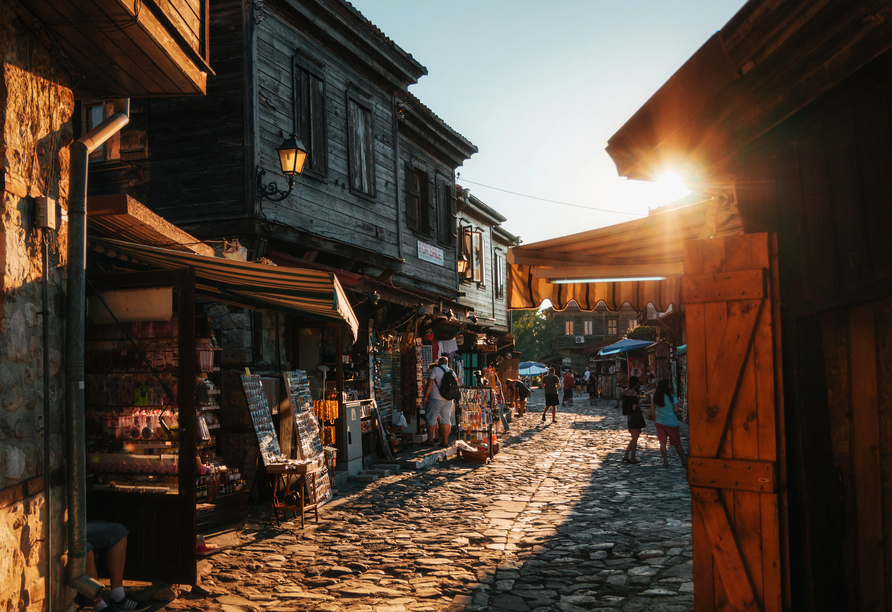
396,171
75,459
47,460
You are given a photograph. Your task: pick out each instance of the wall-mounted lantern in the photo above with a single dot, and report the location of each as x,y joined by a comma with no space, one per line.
292,155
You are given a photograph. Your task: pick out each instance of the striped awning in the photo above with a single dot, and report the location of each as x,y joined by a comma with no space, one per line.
309,293
562,269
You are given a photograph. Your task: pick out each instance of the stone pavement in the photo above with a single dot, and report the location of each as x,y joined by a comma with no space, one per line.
555,522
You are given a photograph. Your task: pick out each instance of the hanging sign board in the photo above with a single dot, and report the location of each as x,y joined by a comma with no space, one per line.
428,252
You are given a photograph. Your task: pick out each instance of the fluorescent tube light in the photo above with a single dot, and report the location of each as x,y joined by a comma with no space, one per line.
570,281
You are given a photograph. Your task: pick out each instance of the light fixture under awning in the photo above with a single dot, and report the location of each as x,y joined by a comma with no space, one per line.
639,262
309,293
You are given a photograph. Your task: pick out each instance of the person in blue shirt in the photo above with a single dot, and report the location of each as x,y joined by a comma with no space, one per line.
662,412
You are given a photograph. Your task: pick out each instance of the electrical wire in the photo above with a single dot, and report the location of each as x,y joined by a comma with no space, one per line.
523,195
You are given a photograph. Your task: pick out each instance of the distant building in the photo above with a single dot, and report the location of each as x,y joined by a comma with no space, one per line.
575,329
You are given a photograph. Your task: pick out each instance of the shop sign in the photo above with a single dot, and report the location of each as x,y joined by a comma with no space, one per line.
428,252
489,348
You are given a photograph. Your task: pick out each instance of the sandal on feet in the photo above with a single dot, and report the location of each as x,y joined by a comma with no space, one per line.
633,461
625,460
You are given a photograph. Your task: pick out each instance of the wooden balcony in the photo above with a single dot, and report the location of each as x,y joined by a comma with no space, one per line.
127,48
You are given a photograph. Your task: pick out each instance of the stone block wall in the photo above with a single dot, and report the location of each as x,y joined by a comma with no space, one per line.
36,105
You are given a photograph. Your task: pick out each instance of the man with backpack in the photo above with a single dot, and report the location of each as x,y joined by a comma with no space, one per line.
439,393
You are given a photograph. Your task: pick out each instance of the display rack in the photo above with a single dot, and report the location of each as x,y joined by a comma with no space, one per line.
307,427
476,425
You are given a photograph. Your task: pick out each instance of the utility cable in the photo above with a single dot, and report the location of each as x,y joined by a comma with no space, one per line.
523,195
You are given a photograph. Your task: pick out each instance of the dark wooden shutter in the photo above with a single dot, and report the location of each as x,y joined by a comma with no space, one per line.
354,143
368,157
736,467
429,204
411,198
319,151
447,214
134,136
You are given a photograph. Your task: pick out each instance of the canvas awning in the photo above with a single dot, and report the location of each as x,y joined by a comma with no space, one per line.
648,247
309,293
624,345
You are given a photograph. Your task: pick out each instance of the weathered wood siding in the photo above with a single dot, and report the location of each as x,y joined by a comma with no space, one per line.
324,206
438,175
821,181
195,168
188,17
480,295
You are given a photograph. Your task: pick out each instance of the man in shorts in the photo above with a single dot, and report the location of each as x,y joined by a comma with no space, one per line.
550,383
437,405
111,538
569,383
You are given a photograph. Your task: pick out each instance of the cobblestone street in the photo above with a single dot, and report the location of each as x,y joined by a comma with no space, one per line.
555,522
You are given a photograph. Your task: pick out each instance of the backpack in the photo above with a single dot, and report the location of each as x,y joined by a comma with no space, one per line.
448,386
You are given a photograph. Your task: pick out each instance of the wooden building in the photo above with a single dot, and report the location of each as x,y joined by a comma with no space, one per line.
784,116
375,195
577,333
484,244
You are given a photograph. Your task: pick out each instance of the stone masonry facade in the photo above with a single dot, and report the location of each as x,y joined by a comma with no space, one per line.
35,123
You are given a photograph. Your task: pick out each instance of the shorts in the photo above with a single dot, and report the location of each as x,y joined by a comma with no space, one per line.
568,393
551,399
439,408
101,535
670,432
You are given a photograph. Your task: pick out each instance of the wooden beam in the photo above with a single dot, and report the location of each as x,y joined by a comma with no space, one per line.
734,474
724,286
628,271
545,257
311,255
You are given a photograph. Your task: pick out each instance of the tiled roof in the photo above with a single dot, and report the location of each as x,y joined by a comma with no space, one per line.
417,104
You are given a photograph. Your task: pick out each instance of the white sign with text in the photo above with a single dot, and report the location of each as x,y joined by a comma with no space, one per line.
428,252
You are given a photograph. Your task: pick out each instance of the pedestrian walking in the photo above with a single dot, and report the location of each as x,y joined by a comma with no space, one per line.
591,386
569,383
519,392
632,410
622,381
663,410
438,407
550,383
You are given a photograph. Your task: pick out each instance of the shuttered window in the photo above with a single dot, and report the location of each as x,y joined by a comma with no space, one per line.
361,147
309,115
446,223
420,203
472,249
500,276
413,197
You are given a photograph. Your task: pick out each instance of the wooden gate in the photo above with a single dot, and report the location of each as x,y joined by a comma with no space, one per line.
735,467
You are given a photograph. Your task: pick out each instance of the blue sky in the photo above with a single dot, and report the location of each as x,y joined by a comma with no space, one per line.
539,87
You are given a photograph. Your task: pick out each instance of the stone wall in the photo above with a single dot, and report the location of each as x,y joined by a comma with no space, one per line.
37,104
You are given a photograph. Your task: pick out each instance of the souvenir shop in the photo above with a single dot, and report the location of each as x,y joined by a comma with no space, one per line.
166,391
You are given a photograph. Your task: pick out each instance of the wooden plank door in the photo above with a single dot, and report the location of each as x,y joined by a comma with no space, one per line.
735,467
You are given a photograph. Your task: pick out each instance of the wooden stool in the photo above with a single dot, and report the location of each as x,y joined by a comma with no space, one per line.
306,489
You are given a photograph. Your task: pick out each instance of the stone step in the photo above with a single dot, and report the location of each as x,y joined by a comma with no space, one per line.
428,458
394,467
364,477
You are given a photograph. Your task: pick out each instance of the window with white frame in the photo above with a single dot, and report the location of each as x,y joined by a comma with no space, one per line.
472,250
633,323
500,276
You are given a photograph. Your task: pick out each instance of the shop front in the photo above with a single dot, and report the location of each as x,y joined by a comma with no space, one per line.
178,426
